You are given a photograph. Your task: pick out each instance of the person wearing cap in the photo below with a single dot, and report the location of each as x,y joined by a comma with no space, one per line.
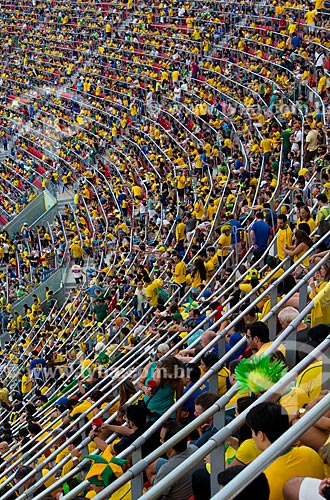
177,320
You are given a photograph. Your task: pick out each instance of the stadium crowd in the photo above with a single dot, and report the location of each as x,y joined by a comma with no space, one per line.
191,142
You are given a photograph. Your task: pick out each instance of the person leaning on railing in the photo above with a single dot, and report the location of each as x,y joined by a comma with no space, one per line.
268,422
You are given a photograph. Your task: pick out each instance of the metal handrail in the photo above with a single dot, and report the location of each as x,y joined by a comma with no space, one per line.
218,438
274,451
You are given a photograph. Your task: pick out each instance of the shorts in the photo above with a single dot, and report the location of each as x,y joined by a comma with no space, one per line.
309,489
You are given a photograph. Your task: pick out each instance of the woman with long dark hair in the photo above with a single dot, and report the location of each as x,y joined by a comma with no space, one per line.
305,216
320,280
302,244
167,376
198,274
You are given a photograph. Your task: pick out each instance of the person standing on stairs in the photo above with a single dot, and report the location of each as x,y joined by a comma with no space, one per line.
78,273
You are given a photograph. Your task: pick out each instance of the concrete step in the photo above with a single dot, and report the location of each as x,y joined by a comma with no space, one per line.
62,202
3,155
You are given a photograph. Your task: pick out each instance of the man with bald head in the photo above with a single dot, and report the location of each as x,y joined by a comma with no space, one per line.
187,355
4,448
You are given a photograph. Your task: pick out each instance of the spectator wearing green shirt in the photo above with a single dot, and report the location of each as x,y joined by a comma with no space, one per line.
100,310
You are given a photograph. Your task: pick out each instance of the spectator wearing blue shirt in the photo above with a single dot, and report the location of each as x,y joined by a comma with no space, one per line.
94,291
236,226
296,41
237,163
259,234
233,338
37,365
192,375
244,178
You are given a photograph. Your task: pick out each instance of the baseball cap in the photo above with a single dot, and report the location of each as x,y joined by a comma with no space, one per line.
62,401
206,294
176,317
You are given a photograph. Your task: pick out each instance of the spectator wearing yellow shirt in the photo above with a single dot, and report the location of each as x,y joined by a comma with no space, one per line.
179,273
310,17
227,147
180,231
224,242
305,217
302,244
230,199
322,84
267,146
199,208
26,382
77,252
319,4
324,208
297,461
180,184
137,191
198,275
284,235
78,409
175,76
211,210
258,339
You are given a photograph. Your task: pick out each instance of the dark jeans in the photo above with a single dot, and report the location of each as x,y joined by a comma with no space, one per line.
257,255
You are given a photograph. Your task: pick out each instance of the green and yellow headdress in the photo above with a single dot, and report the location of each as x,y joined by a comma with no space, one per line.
258,374
190,304
105,469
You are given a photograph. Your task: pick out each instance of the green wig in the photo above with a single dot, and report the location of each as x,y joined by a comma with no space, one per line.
258,374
